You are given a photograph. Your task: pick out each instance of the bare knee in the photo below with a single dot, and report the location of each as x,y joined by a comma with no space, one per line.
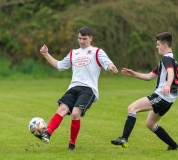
76,113
150,125
131,109
62,110
75,116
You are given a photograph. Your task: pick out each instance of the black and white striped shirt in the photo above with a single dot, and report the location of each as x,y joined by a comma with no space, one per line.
166,62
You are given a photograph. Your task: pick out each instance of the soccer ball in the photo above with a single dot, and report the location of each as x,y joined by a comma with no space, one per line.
37,126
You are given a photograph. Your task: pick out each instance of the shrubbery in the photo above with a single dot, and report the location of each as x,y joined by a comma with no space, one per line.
124,29
30,69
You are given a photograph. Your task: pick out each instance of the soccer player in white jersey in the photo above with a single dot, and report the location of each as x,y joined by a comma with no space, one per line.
160,101
86,63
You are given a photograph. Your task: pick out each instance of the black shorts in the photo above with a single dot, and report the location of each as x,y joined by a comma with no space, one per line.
159,105
80,96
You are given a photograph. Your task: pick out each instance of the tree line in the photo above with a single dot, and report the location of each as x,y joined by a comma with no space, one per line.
124,29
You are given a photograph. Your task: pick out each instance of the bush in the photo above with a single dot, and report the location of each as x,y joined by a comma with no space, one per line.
125,30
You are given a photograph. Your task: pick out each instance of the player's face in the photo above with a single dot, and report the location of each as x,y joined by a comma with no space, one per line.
161,48
84,41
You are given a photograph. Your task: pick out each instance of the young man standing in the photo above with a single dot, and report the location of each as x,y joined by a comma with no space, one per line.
160,101
86,63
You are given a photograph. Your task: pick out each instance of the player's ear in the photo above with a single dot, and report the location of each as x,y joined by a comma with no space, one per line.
165,46
91,38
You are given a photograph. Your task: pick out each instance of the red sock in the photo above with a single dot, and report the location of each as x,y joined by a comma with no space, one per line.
74,130
54,123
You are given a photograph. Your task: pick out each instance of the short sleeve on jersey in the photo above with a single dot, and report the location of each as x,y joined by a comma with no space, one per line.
155,70
168,62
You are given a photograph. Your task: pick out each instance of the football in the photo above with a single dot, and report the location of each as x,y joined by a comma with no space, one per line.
37,126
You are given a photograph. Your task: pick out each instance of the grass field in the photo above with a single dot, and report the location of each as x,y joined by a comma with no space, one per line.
21,100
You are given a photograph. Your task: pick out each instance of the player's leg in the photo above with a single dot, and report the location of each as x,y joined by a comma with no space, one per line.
84,100
65,103
55,121
151,123
75,126
140,105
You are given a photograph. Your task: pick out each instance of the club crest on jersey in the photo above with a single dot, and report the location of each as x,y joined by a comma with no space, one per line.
82,61
76,53
89,52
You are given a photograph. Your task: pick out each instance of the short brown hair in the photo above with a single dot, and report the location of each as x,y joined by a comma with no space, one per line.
85,31
165,38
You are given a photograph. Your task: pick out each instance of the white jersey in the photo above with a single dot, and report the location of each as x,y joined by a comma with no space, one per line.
86,65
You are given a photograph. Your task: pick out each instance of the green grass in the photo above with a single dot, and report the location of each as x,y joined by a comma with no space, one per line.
21,100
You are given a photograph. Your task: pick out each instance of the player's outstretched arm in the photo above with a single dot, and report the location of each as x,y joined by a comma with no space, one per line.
127,72
146,77
112,68
49,58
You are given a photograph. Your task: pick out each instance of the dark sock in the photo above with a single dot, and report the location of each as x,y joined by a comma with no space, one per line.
129,125
164,136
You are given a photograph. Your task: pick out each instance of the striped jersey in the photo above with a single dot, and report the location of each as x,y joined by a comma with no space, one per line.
166,62
86,65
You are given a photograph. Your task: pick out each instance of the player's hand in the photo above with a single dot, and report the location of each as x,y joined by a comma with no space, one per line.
112,68
44,50
166,90
127,72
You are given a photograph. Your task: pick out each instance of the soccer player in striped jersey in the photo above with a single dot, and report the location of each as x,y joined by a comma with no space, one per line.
160,101
86,63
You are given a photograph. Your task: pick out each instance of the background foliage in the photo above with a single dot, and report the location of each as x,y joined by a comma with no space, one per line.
124,29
